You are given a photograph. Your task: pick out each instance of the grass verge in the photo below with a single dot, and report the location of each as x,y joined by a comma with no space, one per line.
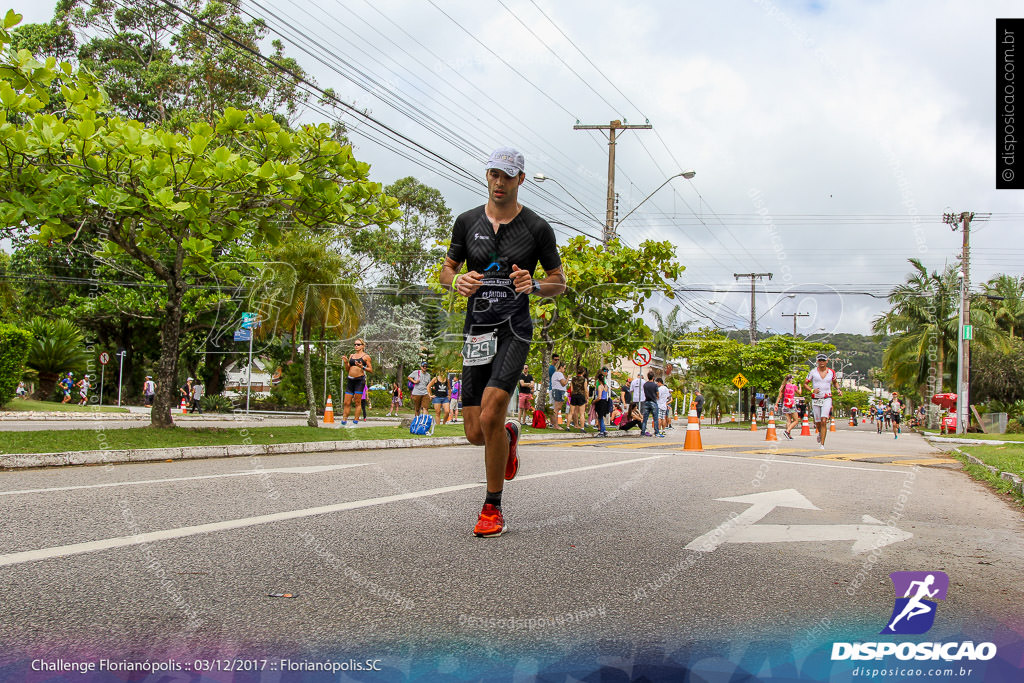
1005,458
980,437
59,441
18,405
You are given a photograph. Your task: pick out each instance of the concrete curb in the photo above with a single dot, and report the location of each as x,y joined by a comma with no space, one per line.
94,417
26,460
1014,479
972,442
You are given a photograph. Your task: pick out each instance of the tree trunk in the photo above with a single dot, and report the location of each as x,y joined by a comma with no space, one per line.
47,381
549,349
307,373
167,398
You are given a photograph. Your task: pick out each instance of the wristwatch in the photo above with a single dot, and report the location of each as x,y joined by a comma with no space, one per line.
536,288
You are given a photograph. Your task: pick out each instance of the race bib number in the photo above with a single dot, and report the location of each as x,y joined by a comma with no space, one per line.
479,349
819,401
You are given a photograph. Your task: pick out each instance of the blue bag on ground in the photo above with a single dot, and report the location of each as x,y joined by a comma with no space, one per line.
422,425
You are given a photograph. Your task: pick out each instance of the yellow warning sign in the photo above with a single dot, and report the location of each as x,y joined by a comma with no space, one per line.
739,380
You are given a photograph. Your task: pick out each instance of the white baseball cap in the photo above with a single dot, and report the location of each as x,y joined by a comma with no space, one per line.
507,160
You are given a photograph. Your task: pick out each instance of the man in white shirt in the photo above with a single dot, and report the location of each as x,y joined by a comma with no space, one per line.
664,394
636,391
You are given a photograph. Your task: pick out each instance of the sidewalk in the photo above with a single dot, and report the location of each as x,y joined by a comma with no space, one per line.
101,457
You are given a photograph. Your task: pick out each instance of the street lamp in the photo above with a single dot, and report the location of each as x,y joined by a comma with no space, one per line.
610,230
683,174
540,178
788,296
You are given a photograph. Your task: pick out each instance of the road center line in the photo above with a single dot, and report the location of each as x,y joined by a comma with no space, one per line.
249,473
182,532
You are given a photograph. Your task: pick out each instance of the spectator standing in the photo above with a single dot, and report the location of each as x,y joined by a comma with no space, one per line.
699,400
664,395
148,391
525,393
602,401
650,406
578,399
558,387
420,398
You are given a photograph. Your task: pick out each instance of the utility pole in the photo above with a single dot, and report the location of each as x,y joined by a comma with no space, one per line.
794,316
963,369
609,225
753,319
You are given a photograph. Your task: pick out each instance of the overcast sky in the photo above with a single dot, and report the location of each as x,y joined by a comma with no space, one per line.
818,130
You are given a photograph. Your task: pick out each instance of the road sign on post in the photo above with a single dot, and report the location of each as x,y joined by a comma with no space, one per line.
104,358
968,332
243,334
642,356
739,380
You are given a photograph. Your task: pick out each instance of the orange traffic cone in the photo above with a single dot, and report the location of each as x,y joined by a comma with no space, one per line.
770,434
853,421
732,420
805,428
692,442
832,424
184,408
753,423
329,411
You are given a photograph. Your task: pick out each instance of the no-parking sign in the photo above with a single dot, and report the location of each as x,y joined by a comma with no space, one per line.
642,356
104,358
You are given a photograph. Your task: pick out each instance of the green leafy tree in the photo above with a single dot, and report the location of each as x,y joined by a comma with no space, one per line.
669,332
1006,304
10,290
168,201
923,322
403,252
15,344
57,347
323,305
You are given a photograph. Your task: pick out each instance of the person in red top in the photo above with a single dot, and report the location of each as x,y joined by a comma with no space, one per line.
787,400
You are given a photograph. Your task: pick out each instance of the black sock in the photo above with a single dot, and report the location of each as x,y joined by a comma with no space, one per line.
493,499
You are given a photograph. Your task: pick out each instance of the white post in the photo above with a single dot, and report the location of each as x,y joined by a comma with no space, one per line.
248,375
119,373
102,370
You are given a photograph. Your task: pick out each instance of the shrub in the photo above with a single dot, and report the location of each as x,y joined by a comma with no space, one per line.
217,404
14,347
1014,427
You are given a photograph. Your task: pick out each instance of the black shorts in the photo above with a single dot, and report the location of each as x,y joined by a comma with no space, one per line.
896,418
502,372
354,385
577,400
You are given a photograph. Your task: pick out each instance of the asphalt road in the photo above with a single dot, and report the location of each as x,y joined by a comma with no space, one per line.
619,550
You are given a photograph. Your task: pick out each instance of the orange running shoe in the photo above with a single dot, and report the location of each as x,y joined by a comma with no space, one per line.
512,464
491,522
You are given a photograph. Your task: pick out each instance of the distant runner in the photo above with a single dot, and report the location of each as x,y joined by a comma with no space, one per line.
820,382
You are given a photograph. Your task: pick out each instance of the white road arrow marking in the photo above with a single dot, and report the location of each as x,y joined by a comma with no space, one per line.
742,528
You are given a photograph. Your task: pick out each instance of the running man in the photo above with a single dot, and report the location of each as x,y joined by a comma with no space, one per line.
820,382
66,385
897,414
359,363
83,390
501,243
914,606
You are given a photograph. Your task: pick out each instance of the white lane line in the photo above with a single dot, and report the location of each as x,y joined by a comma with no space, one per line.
801,462
182,532
313,469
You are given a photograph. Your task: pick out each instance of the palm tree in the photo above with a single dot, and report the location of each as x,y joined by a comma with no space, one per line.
668,333
57,347
718,397
319,301
1008,308
925,328
923,322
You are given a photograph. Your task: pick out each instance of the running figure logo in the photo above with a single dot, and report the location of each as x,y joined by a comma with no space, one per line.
913,613
496,263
